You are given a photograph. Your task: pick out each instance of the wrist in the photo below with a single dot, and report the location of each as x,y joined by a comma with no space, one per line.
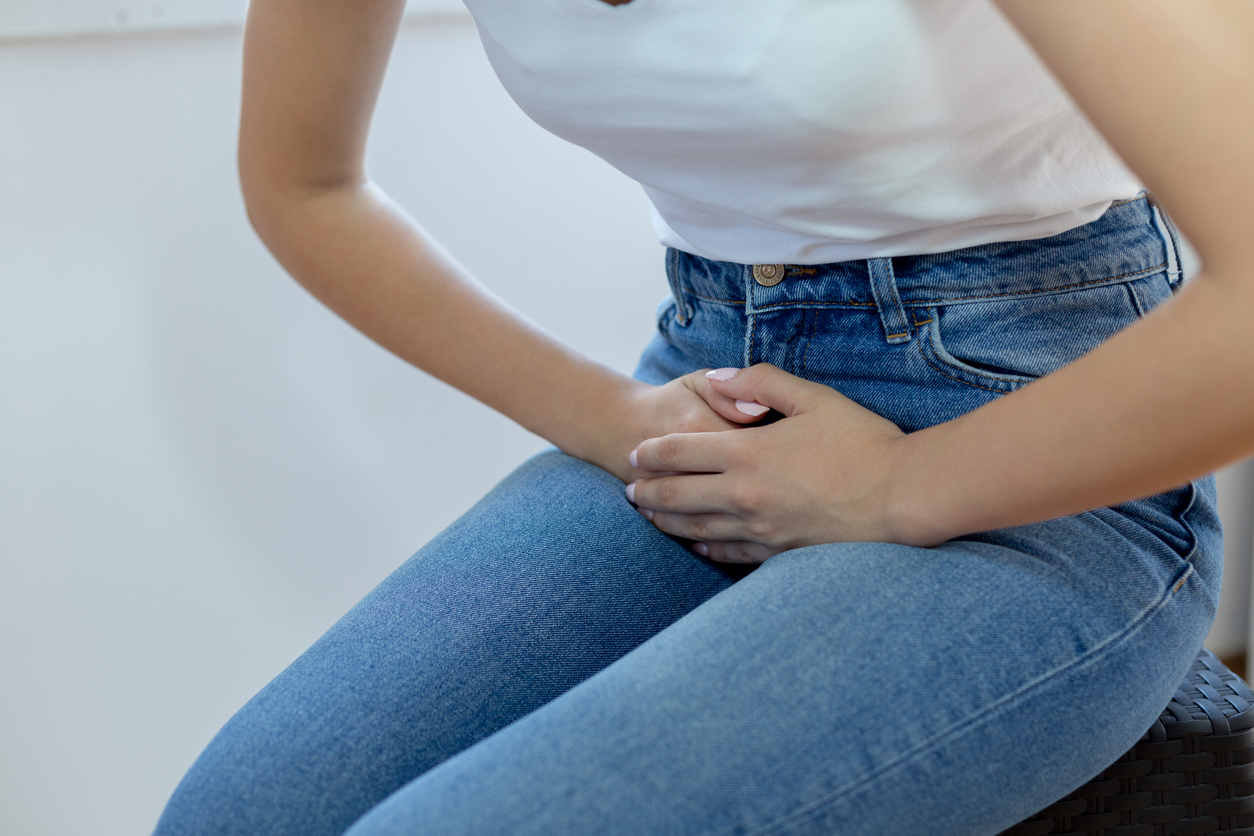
913,507
605,431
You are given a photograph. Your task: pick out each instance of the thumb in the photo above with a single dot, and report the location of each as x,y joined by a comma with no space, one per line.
763,384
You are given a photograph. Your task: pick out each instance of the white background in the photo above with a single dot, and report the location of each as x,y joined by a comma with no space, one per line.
53,18
200,467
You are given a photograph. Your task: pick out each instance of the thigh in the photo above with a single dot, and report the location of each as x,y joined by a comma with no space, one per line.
855,689
549,579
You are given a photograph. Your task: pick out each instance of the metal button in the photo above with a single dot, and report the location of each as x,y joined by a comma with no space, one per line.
768,275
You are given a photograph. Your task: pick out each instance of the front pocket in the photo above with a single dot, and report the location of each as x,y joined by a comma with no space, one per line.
1004,345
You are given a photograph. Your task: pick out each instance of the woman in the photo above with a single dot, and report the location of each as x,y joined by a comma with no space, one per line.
885,221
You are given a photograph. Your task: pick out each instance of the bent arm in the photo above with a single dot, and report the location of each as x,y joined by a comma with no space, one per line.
312,73
1171,86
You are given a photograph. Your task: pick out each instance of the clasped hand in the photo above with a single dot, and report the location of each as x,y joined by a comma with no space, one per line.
822,474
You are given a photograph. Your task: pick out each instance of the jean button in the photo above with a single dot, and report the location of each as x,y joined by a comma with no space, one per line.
768,275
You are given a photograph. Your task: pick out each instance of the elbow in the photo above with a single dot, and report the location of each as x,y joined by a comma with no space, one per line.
262,195
275,196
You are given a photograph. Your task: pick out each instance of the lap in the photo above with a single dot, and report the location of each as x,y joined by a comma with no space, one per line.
553,664
851,688
547,580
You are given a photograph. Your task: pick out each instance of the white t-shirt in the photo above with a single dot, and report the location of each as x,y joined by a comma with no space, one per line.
811,131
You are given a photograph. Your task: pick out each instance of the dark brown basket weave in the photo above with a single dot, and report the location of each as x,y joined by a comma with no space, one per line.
1192,773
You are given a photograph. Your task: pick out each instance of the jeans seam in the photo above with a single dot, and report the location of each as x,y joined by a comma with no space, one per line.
1184,521
987,713
948,300
674,278
805,352
737,302
1148,271
1141,196
1136,300
751,319
967,382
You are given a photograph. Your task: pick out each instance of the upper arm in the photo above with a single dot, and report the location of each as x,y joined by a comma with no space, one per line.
312,72
1170,84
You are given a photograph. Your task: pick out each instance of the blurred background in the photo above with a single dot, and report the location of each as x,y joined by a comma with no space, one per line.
200,467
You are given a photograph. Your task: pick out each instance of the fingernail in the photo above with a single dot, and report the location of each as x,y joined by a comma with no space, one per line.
722,374
631,493
632,460
648,515
701,549
752,408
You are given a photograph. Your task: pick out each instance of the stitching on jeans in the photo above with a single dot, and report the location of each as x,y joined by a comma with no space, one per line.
1049,290
960,380
805,353
1136,301
896,309
751,314
916,303
817,304
1183,516
714,299
922,302
1095,656
753,320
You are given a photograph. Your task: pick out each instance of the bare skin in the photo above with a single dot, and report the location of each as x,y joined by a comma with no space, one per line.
1163,402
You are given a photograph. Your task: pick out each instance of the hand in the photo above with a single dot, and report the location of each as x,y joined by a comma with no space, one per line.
823,474
688,404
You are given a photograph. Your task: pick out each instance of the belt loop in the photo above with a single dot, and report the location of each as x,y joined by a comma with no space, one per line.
1171,240
892,312
682,312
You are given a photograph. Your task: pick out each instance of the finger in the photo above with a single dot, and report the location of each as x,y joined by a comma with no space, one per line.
697,526
684,494
686,452
739,411
770,386
735,551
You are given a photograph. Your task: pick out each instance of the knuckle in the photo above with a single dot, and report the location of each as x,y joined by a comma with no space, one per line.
744,496
695,422
668,451
699,528
667,492
762,531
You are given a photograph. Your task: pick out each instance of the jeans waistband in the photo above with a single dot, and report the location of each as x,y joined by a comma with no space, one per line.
1131,240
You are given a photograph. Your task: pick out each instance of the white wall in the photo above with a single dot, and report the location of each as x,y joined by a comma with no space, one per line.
25,19
200,468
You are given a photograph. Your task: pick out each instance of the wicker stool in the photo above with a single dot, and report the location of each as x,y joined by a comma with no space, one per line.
1191,773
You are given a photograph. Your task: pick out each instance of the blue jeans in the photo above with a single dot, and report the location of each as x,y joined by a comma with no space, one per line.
552,664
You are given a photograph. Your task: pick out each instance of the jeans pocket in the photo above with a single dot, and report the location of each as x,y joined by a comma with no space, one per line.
1002,345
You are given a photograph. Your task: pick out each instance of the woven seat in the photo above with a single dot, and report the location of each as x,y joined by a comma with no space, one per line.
1192,773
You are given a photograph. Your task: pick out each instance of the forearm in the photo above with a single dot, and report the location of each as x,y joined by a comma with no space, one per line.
312,72
1168,399
1163,402
361,255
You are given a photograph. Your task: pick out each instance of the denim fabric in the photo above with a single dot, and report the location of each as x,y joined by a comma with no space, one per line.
552,664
